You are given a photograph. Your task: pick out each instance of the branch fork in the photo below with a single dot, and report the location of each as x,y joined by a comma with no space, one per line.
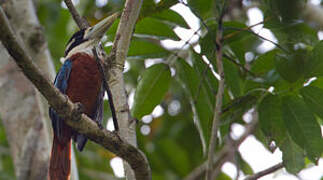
71,112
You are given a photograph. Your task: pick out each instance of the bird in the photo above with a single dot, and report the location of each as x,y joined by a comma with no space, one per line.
81,81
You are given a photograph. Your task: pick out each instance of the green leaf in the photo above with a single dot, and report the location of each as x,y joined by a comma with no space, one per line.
145,49
179,162
155,27
315,64
264,63
313,97
171,17
239,40
318,82
207,43
205,74
232,77
223,176
112,30
197,93
233,110
290,67
151,89
202,7
293,156
243,165
149,7
288,9
302,126
291,33
270,119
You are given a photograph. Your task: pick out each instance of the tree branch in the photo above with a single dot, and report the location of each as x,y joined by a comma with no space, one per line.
219,96
265,172
81,22
113,72
225,154
69,111
114,64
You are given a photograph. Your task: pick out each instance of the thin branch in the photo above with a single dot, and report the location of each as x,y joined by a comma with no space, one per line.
81,22
124,32
232,146
246,28
261,37
66,109
265,172
239,65
219,97
225,153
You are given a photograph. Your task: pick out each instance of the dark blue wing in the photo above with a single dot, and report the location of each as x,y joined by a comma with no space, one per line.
63,76
60,82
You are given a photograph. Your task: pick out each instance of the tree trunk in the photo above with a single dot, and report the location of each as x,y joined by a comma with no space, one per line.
24,111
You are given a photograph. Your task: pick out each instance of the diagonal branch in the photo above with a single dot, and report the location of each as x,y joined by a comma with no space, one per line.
225,154
80,21
66,109
265,172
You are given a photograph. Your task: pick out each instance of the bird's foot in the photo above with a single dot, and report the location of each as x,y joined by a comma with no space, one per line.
117,133
77,111
134,120
99,124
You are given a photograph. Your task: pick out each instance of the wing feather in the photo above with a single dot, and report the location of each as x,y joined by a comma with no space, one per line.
61,82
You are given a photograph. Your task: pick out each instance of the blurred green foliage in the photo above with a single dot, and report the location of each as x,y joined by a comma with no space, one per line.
185,86
6,161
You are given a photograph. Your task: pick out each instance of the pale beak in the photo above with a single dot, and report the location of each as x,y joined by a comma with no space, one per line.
97,31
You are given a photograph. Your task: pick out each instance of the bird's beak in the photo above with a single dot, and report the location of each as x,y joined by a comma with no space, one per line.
97,31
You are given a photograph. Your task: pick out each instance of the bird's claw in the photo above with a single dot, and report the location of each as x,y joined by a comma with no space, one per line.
134,120
99,124
117,134
77,111
79,107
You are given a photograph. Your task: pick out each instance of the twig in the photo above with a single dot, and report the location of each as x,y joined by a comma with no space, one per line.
265,172
225,153
246,28
239,65
219,96
261,37
81,22
66,109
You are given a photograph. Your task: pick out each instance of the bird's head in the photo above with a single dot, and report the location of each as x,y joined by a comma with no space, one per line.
85,39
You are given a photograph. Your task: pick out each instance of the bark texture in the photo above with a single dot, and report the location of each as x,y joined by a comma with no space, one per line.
24,112
114,68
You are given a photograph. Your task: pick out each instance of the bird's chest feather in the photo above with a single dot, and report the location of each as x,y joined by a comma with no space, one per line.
85,81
